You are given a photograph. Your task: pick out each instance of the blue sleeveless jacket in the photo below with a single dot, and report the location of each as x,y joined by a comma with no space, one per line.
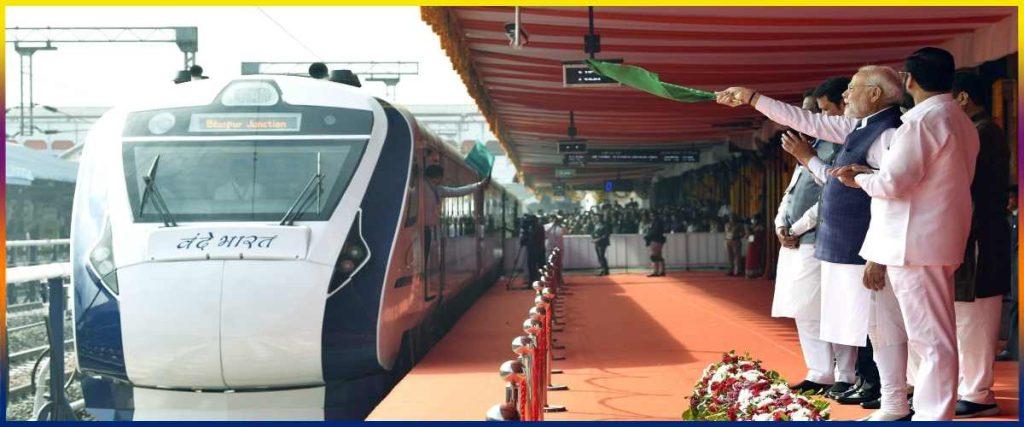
846,212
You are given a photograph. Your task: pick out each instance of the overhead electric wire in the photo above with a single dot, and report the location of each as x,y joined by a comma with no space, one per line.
285,30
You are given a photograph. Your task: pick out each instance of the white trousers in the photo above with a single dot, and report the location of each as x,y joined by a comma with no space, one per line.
827,363
925,296
889,344
977,334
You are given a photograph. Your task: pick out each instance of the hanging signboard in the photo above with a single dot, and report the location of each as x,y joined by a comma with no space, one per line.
634,156
558,189
577,146
579,74
576,159
565,172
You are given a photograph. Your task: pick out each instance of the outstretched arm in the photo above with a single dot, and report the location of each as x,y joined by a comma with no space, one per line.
828,128
445,191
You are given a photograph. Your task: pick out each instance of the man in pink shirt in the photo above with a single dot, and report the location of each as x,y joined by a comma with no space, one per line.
920,219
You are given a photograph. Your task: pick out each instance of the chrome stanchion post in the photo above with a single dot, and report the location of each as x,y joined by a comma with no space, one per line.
512,373
525,348
544,300
541,355
533,328
542,310
548,295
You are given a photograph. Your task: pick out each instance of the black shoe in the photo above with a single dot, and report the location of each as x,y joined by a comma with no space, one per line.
872,404
864,394
838,389
653,275
807,385
1005,356
966,409
856,388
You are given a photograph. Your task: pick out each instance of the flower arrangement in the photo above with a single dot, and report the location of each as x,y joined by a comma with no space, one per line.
737,388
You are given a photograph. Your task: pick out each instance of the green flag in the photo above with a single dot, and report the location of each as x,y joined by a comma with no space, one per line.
639,78
481,159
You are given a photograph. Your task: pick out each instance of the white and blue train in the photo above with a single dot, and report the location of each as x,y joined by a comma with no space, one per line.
254,249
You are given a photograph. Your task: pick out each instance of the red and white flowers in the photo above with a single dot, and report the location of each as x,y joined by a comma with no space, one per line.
738,389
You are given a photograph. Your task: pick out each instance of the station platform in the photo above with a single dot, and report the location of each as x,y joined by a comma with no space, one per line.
635,346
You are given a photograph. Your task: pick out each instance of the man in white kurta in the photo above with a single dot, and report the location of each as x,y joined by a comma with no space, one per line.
920,218
798,275
554,235
849,311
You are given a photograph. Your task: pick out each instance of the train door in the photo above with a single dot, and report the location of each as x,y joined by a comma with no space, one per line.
433,233
479,229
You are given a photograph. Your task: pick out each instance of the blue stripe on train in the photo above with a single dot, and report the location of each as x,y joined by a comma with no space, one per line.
350,317
98,326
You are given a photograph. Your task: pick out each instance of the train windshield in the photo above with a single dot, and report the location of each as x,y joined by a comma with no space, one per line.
239,180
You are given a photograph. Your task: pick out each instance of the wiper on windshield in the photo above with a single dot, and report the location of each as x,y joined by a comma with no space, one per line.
305,196
158,200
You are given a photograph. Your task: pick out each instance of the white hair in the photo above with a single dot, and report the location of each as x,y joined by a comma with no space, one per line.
887,80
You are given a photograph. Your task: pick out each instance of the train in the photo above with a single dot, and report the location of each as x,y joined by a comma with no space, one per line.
253,248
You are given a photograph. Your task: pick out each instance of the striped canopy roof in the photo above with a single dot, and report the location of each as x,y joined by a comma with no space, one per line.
780,51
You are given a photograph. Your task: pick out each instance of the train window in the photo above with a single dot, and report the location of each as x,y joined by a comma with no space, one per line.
239,180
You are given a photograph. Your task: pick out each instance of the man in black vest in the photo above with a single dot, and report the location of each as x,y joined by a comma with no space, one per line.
984,277
798,276
850,311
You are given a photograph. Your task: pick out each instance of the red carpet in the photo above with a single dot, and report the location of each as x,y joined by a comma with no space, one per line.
635,346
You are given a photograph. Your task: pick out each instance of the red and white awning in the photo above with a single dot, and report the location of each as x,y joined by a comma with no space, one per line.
780,51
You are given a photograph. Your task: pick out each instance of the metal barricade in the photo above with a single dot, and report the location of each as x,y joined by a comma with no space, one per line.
528,376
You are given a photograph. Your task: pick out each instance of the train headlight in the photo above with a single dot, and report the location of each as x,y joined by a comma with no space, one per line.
161,123
101,260
354,254
250,93
347,266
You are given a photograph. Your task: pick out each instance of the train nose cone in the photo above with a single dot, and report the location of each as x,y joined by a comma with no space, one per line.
223,324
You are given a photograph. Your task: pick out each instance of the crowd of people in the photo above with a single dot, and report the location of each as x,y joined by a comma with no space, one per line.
630,218
895,237
654,224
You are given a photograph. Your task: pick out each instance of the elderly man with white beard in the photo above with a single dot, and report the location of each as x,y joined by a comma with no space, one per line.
920,220
850,311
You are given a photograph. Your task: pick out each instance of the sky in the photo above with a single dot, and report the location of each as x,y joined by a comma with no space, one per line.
108,74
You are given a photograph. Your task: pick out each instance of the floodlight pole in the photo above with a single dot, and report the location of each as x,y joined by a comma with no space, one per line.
28,40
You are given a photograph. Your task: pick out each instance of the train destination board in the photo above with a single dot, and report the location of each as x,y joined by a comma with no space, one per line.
245,122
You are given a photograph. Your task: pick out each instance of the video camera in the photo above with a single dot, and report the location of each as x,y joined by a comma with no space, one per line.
527,226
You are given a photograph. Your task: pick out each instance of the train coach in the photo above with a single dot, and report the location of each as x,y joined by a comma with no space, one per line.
254,249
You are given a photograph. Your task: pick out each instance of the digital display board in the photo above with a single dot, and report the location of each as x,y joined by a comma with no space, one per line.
578,159
565,172
578,73
565,147
633,156
245,122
